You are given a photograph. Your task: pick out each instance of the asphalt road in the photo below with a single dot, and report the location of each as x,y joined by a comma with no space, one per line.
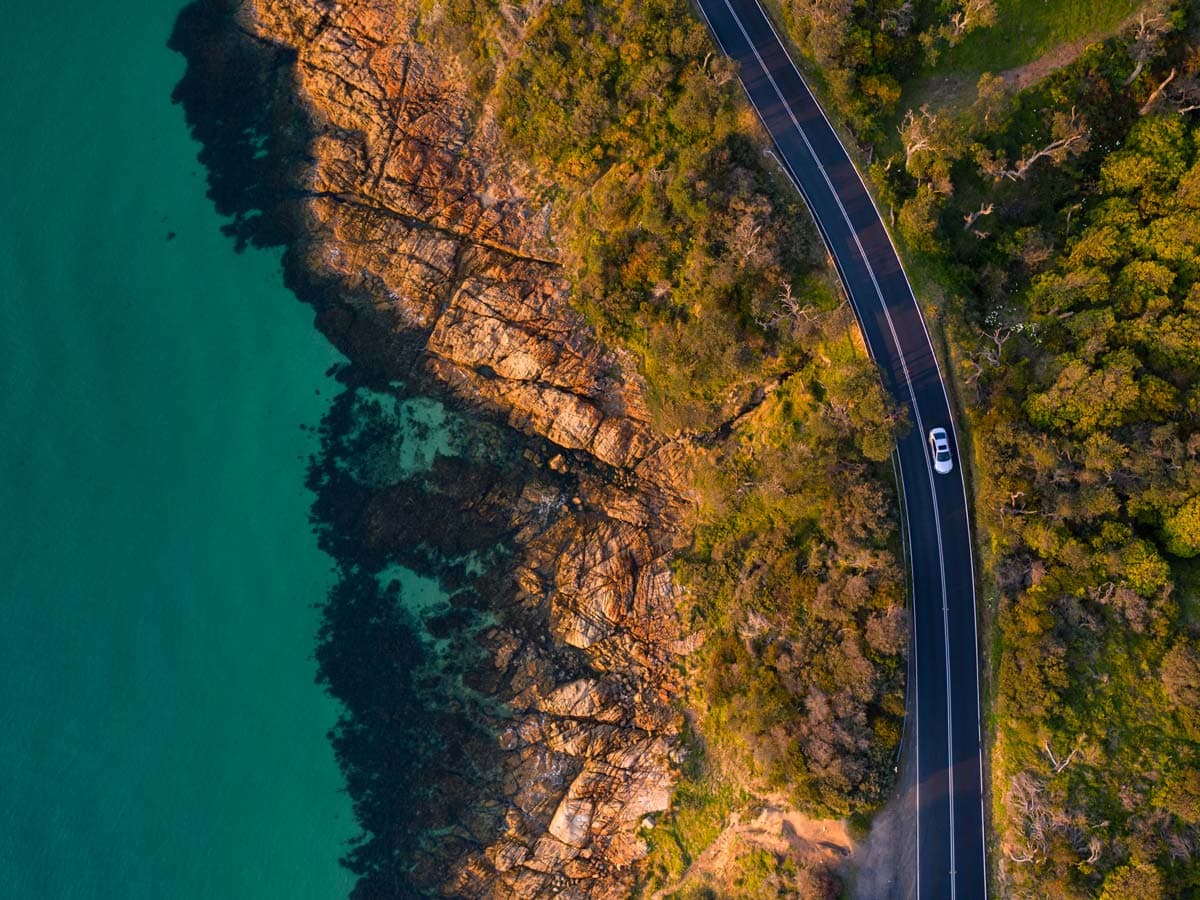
948,810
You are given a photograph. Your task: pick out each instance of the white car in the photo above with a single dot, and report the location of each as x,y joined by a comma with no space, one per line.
939,445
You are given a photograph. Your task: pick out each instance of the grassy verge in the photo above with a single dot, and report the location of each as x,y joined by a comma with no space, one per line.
1026,30
700,810
1031,38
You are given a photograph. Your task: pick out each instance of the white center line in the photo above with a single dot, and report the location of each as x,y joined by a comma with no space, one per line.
953,428
908,384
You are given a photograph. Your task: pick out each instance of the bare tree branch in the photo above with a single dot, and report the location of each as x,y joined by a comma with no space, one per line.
1156,93
970,218
972,14
791,310
1057,764
1146,41
1183,95
917,132
1070,138
976,372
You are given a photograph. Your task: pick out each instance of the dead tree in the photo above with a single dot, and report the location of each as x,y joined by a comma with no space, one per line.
1180,89
976,370
1021,856
999,336
1156,93
1147,39
1026,800
1070,138
1058,764
790,310
792,305
1181,94
918,132
723,73
971,218
1103,593
972,14
1184,95
897,20
1180,847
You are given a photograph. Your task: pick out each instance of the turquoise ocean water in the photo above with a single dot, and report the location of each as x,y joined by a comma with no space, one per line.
160,732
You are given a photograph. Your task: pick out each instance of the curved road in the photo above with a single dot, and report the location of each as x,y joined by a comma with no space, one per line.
949,820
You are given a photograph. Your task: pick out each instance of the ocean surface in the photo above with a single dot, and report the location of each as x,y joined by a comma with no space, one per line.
161,734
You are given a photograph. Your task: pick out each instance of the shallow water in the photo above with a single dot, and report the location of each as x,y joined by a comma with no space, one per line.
160,731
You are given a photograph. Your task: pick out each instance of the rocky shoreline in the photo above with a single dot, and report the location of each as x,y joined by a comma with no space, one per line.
539,705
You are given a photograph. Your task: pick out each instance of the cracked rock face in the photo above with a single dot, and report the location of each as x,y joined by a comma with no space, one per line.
427,264
408,206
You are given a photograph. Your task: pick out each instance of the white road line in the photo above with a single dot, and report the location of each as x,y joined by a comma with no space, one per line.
915,686
953,428
908,383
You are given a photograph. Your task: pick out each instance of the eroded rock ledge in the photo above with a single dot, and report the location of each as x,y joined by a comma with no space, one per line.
329,130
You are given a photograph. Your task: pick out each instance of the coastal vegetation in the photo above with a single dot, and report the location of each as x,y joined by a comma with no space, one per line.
678,237
794,577
688,250
1058,224
797,586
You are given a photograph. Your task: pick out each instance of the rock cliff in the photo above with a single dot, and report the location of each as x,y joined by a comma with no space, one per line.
328,129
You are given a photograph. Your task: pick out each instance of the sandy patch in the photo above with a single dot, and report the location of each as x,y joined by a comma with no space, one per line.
816,846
